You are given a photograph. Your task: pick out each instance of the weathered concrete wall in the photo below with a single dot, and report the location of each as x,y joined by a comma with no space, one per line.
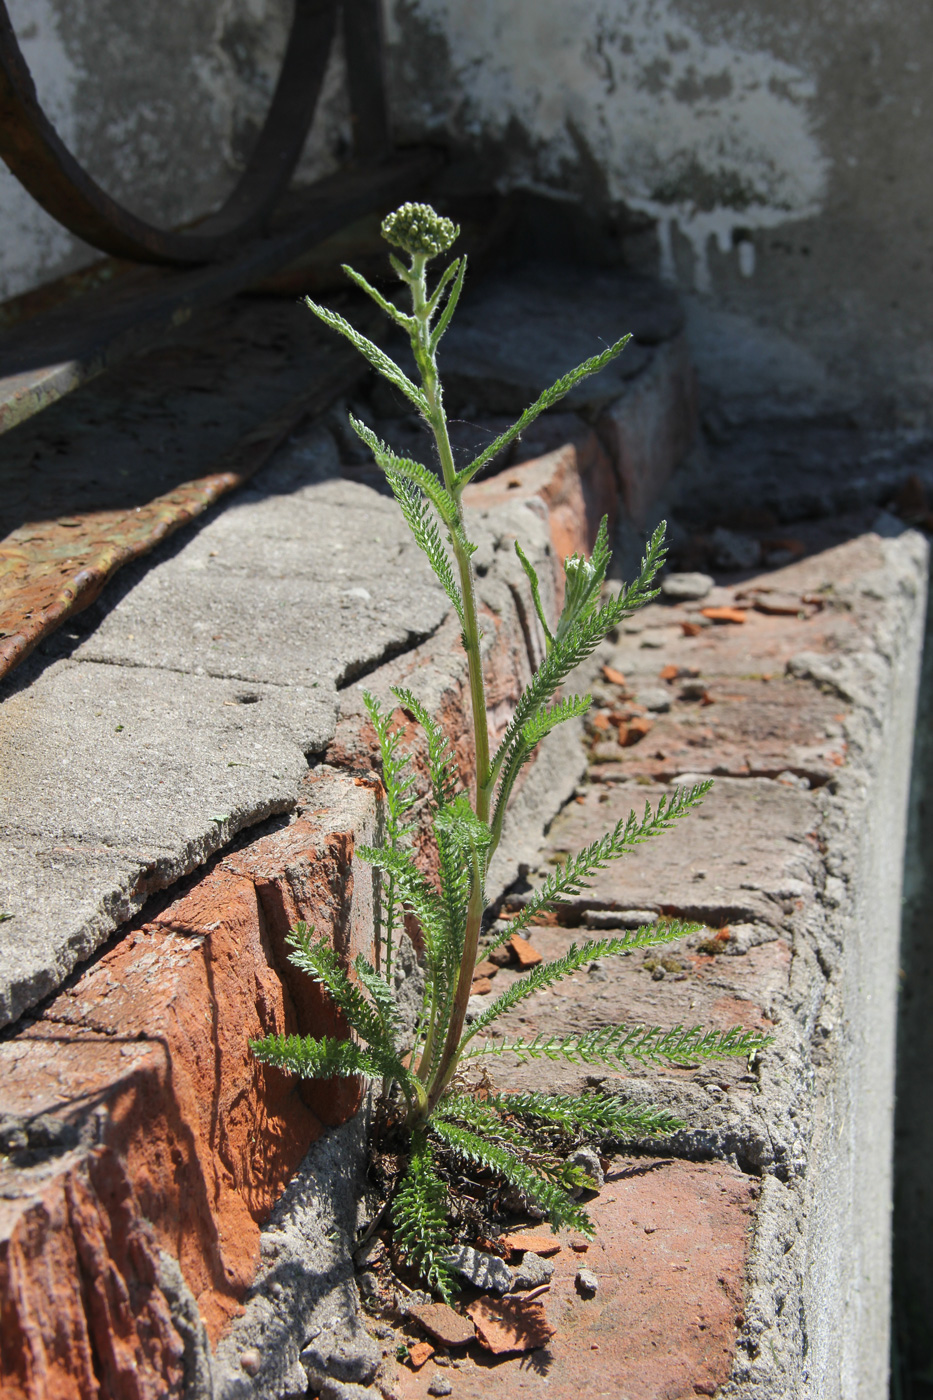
162,115
768,155
775,147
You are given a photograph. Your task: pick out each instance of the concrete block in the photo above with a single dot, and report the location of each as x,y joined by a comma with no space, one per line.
649,428
309,586
119,780
518,333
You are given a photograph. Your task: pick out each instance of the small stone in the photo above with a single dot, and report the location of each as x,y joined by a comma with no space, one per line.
481,987
251,1361
482,1270
419,1354
658,701
440,1385
532,1272
587,1282
586,1158
579,1246
371,1290
372,1252
500,957
685,588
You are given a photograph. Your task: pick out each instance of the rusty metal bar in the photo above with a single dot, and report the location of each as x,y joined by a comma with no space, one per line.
48,573
41,162
365,52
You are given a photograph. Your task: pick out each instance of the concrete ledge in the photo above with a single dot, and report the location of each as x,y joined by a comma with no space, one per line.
797,876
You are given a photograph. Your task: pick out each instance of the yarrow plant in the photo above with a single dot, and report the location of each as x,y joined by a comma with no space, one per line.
521,1138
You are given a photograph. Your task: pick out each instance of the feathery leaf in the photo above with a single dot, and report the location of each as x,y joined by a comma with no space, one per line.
599,1116
314,1058
445,778
377,358
407,323
451,306
551,1196
423,526
619,1047
535,592
419,1214
545,974
545,401
577,871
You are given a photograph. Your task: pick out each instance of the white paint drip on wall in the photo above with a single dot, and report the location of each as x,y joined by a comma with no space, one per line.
701,134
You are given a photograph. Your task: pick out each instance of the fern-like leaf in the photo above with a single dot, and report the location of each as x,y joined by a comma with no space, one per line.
325,1056
415,472
319,960
619,1047
546,974
377,358
382,997
577,871
532,575
540,724
423,526
580,640
407,323
545,401
584,579
597,1116
550,1195
445,777
419,1214
451,305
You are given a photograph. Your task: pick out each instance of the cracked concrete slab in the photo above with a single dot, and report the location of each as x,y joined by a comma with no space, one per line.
305,579
190,710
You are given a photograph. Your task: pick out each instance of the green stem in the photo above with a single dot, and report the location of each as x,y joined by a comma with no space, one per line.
425,359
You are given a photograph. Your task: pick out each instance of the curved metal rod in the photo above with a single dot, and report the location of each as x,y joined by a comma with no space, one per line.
42,163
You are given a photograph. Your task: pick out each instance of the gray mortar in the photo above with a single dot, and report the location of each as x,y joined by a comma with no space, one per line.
302,1314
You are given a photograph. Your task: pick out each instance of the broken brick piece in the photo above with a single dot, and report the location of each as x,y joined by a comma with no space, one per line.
419,1354
510,1324
449,1328
527,956
486,968
518,1243
677,673
736,615
613,676
634,730
480,986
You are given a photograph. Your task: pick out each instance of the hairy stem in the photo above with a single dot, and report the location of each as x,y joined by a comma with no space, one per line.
427,364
